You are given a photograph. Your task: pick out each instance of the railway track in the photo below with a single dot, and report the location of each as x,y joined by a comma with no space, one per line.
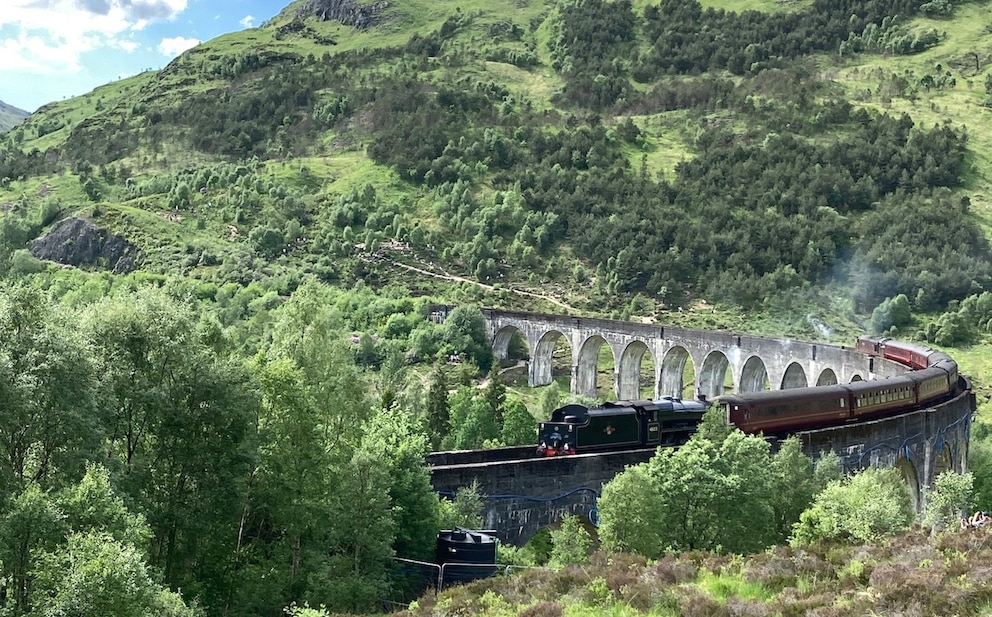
464,458
472,457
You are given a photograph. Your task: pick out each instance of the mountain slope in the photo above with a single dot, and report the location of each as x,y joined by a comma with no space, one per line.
568,146
10,116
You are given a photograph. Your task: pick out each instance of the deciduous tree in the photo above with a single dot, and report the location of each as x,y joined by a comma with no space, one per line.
471,419
862,508
713,493
570,543
464,331
948,500
50,422
395,440
94,575
519,426
180,425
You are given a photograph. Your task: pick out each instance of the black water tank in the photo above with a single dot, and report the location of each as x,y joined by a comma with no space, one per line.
465,555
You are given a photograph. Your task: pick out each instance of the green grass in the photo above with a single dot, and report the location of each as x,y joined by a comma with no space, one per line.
166,240
65,188
399,21
666,143
537,85
722,587
348,171
975,361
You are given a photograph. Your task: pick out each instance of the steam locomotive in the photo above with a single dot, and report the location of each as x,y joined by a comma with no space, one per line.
620,424
933,376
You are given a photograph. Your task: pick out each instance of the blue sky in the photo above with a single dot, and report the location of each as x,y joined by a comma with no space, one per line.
55,49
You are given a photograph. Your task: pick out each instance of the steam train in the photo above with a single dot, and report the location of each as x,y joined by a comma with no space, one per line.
933,376
621,424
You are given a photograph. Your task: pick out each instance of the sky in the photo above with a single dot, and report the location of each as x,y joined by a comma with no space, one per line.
51,50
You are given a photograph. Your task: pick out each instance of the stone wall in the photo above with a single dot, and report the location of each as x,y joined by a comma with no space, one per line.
525,495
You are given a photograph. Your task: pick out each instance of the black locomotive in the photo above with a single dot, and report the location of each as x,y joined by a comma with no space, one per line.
621,424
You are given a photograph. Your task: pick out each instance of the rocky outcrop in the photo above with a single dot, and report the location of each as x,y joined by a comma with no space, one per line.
348,12
78,242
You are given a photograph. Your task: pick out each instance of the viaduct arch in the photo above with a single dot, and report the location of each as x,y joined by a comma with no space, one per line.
750,363
525,495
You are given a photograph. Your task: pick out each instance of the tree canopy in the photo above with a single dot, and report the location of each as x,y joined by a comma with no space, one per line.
713,493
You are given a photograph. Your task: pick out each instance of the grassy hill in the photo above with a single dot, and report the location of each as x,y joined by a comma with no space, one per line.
541,148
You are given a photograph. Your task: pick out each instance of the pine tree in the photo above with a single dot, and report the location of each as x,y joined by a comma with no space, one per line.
495,394
438,407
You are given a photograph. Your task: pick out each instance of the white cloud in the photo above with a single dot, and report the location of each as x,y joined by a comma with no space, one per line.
39,54
247,21
107,17
176,45
48,36
149,10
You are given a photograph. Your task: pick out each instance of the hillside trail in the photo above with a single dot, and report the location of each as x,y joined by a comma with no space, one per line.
454,277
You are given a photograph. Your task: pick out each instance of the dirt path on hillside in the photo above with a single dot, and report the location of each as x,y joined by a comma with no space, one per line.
461,279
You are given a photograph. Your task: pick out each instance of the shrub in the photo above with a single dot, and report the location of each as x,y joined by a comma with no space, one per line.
570,543
543,608
863,508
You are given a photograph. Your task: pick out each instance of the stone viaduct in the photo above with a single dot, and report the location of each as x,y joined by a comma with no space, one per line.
525,495
750,363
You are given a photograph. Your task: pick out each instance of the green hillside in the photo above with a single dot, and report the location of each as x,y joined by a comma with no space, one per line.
487,142
794,164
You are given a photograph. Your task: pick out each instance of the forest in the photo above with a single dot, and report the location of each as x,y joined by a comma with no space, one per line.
124,417
294,199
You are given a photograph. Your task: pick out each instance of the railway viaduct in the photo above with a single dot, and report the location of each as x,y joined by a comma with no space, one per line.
527,494
752,363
